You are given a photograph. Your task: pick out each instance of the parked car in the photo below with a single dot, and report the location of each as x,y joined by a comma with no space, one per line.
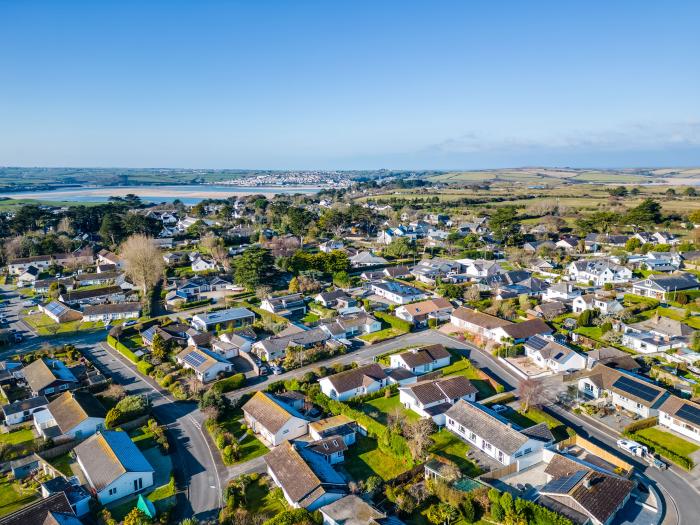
499,408
130,323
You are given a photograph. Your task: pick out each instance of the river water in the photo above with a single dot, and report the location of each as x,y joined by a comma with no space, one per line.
189,194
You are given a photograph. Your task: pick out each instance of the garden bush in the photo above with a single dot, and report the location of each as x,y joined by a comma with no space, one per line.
145,367
119,347
394,321
641,424
229,384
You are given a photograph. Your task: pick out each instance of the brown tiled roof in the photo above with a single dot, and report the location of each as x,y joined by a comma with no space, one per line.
71,408
597,494
357,377
499,434
266,411
480,319
293,474
37,513
527,329
442,389
426,307
425,355
329,445
39,375
323,425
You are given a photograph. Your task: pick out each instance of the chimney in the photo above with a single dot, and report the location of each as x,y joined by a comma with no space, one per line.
587,482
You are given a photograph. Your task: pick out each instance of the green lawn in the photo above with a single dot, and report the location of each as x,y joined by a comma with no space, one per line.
449,446
63,463
17,436
251,447
261,500
382,335
13,497
461,366
164,491
380,408
143,438
310,317
673,443
364,459
44,325
535,416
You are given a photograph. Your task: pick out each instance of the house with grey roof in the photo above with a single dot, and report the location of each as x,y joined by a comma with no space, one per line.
433,398
274,348
72,414
231,317
49,376
662,286
497,437
354,382
353,510
549,355
113,466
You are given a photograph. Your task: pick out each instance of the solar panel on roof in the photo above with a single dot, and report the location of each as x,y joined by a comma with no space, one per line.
689,413
565,484
558,356
635,388
56,308
194,359
538,343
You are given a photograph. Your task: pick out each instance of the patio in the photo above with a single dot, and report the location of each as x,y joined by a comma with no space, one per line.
482,460
526,367
609,415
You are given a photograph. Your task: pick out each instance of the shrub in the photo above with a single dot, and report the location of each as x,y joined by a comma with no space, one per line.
682,461
119,347
585,318
292,517
113,417
641,424
145,367
228,384
394,321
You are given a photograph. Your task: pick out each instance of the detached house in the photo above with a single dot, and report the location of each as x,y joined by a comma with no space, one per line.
605,305
599,272
357,381
285,305
363,259
625,391
206,365
49,376
552,356
346,326
231,317
657,334
306,479
477,323
422,360
662,286
498,438
274,420
397,293
682,416
434,398
72,414
419,313
113,466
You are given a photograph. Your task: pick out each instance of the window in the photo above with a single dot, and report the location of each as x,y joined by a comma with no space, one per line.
138,484
472,436
112,491
63,387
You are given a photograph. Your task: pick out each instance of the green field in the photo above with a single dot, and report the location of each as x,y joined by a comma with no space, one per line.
382,407
449,446
670,441
364,459
13,497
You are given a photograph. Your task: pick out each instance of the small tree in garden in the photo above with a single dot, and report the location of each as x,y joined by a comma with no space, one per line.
532,394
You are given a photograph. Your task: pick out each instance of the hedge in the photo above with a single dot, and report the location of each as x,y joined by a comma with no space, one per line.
394,321
193,304
228,384
641,424
292,517
682,461
145,367
119,347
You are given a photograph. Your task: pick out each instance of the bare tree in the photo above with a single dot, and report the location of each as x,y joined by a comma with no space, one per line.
472,294
418,435
533,393
143,261
261,292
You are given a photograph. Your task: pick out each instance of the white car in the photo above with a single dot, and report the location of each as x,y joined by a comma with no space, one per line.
634,448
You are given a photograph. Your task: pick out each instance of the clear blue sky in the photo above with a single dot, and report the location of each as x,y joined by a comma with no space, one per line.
331,84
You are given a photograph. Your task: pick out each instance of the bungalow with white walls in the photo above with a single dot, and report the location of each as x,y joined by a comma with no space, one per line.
682,416
421,360
434,398
274,420
354,382
549,355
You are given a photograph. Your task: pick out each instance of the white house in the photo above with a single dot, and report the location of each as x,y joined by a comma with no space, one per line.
661,286
605,305
272,419
113,466
682,416
480,268
657,334
72,414
624,390
477,323
421,360
419,313
560,292
332,245
499,439
353,510
549,355
346,326
231,317
340,425
362,259
203,265
433,398
23,410
110,312
206,365
397,293
285,305
599,272
357,381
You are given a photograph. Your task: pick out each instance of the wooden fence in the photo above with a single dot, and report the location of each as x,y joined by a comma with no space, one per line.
591,448
499,473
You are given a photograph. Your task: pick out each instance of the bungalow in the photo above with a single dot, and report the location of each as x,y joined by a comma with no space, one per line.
422,360
519,332
397,272
550,310
346,326
96,278
59,312
231,317
357,381
56,509
562,291
107,257
110,312
549,355
419,313
362,259
285,305
477,323
113,466
605,305
23,410
598,272
661,287
275,347
666,238
682,416
106,294
42,286
353,510
625,391
274,420
657,334
397,293
496,437
612,357
48,376
19,266
207,366
78,497
480,268
429,270
331,449
582,492
28,276
231,345
174,258
568,243
171,333
72,414
434,398
203,265
340,425
330,299
306,479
